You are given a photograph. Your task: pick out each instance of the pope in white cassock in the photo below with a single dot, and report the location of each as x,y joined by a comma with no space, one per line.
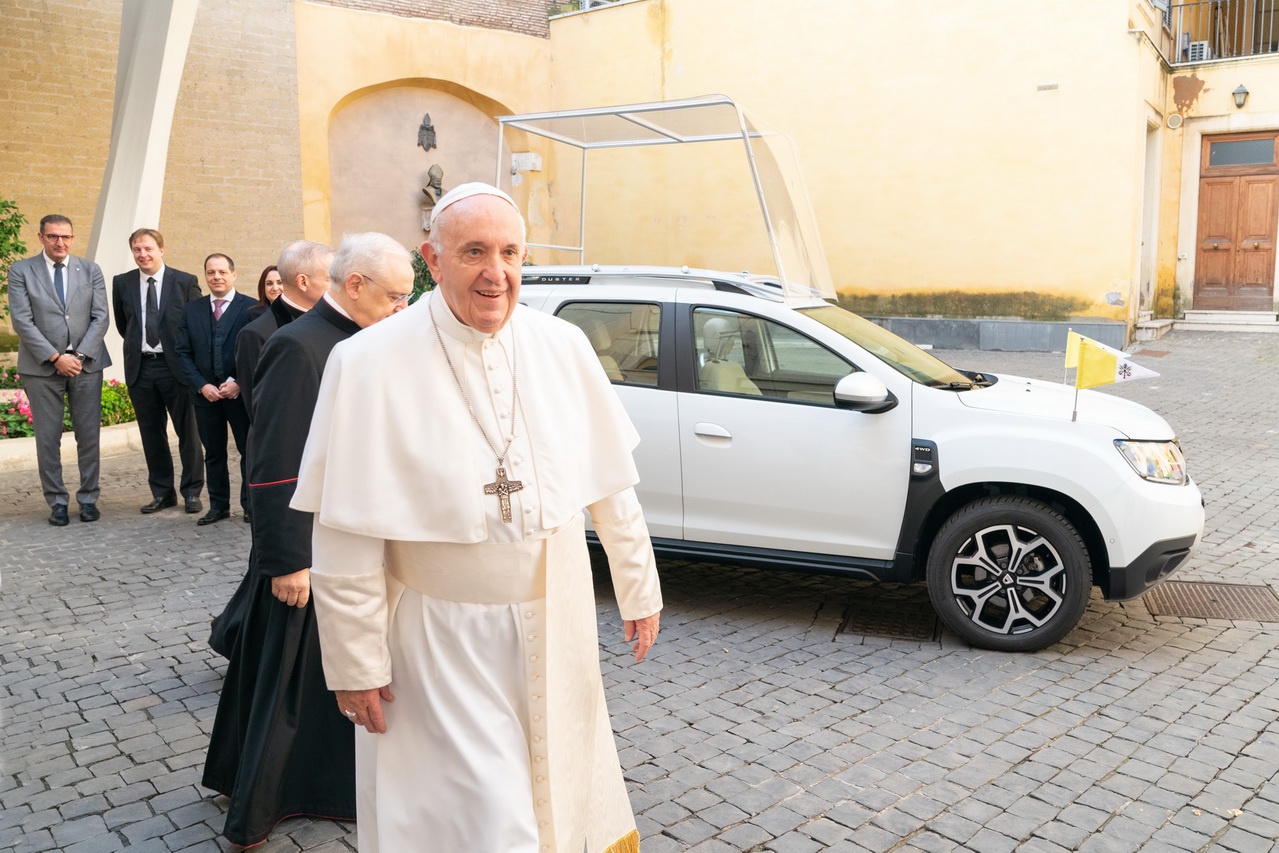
452,451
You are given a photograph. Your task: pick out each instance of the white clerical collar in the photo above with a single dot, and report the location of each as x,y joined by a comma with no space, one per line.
336,307
453,327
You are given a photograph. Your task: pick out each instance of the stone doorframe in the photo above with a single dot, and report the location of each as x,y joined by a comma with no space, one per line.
1193,132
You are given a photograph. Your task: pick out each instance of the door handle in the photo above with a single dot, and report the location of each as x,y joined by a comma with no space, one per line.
711,431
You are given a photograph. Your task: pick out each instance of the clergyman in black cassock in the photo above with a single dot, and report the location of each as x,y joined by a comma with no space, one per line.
280,746
248,350
304,272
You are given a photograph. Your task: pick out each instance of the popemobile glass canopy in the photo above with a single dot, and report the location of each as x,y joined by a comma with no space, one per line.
788,219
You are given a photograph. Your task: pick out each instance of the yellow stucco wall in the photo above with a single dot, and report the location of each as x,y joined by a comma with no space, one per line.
345,54
992,145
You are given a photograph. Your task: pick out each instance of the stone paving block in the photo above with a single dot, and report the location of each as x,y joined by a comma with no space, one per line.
1140,717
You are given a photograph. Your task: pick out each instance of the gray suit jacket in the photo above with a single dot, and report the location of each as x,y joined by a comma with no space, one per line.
44,327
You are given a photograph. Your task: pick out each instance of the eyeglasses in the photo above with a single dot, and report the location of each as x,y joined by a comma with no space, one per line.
396,298
58,238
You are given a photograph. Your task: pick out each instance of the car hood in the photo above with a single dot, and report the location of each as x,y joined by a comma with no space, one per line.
1036,398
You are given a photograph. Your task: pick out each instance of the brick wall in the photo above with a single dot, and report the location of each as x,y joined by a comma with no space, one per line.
55,107
519,16
234,178
233,181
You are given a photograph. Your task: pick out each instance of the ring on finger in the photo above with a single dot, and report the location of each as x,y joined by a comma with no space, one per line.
349,714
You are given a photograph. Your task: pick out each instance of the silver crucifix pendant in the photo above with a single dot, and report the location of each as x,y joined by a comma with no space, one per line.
503,487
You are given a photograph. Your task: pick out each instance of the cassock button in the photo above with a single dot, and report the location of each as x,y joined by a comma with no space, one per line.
528,614
531,638
541,778
532,658
537,718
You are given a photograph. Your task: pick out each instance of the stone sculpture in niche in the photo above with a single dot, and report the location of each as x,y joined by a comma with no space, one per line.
433,190
426,134
434,176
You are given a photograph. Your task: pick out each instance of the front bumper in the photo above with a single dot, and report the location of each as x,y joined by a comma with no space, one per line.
1151,567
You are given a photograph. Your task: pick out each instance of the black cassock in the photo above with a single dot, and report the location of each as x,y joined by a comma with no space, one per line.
280,747
248,351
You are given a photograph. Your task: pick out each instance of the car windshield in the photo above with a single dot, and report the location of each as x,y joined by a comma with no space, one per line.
899,354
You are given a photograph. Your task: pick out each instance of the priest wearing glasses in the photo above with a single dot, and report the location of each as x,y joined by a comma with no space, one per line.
453,449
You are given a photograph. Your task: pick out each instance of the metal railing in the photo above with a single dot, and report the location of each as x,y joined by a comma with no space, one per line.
1222,29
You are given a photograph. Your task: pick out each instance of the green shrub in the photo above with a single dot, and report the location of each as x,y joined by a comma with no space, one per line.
11,246
422,280
15,412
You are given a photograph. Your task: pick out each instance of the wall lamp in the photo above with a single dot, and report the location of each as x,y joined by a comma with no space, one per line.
1241,96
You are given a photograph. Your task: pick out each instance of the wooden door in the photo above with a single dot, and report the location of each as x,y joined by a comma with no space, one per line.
1238,220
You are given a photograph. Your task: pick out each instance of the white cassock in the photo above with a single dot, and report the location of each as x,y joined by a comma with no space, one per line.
498,738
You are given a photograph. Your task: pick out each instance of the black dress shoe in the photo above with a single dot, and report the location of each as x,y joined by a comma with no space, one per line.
58,518
194,505
213,515
247,520
89,512
159,504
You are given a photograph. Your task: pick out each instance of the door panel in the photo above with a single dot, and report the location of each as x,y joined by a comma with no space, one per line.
770,466
1214,265
1255,269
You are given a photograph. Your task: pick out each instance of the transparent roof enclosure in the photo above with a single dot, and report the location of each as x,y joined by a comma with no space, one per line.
791,228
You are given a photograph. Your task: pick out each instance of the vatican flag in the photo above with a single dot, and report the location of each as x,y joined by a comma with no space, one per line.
1097,364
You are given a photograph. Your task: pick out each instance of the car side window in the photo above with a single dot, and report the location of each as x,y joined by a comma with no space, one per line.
751,356
624,336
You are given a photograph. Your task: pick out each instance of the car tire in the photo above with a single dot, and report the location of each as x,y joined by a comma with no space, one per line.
1009,573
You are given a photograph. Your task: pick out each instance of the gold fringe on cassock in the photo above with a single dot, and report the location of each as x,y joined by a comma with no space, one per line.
628,843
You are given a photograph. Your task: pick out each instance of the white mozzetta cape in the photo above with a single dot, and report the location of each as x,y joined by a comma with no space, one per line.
410,467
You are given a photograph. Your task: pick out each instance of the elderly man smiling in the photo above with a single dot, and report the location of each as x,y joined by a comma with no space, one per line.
451,580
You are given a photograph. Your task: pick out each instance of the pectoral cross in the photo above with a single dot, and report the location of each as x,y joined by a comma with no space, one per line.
503,487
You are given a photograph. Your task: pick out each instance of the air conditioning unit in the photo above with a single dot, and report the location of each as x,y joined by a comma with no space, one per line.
1198,51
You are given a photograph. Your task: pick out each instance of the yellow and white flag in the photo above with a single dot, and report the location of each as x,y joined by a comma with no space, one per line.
1097,364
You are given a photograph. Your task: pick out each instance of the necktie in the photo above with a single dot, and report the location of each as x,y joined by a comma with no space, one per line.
218,305
59,285
152,322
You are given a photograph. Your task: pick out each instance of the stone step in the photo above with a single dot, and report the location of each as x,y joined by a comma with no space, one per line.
1230,318
1183,326
1152,330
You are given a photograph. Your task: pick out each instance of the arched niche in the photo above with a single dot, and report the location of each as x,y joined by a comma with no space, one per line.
378,170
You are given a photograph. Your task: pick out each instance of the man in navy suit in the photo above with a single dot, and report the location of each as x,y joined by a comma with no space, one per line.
58,307
148,304
206,352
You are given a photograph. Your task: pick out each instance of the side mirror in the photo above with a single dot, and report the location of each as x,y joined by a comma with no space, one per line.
861,392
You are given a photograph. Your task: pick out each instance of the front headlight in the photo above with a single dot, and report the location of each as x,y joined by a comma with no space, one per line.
1157,461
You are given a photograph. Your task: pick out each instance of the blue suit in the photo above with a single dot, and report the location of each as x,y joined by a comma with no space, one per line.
206,355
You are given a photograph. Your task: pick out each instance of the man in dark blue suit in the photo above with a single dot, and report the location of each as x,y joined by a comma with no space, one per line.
206,353
148,304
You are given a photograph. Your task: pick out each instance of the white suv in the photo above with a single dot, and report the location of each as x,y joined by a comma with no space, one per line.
797,435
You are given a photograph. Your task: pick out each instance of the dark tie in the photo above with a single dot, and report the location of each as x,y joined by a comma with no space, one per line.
58,285
153,315
217,309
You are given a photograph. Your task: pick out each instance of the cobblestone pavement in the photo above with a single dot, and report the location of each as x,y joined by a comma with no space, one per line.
755,725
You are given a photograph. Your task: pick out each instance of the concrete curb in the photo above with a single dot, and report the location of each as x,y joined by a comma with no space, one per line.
17,454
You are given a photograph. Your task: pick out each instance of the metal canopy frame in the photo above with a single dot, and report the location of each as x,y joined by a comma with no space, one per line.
797,254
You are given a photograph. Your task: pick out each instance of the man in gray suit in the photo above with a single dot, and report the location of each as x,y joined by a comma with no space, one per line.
58,307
